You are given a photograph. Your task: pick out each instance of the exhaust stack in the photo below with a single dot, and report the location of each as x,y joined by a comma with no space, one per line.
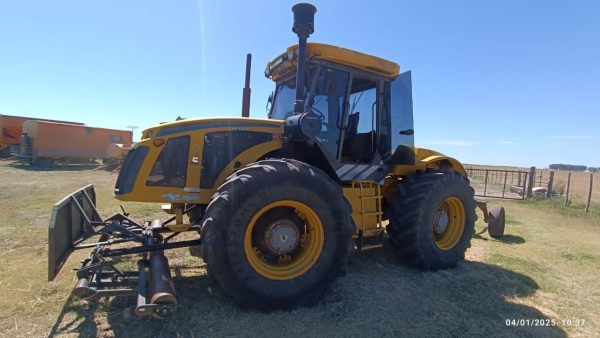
304,26
303,124
246,92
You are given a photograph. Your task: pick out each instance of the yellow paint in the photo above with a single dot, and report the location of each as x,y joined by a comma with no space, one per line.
181,227
247,157
456,224
285,63
287,267
150,132
366,201
428,159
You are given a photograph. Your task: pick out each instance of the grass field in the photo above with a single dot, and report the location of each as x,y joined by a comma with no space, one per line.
547,267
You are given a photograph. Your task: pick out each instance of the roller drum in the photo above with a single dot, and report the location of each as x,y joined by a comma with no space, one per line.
162,290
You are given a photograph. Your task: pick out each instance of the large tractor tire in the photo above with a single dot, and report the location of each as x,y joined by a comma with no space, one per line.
277,234
431,219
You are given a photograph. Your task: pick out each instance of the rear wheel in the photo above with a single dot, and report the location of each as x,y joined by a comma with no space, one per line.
496,221
277,234
432,217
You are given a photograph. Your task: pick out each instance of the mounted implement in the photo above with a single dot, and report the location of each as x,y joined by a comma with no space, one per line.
279,204
75,220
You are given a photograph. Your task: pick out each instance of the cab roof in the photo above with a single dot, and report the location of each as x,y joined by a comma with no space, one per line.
286,62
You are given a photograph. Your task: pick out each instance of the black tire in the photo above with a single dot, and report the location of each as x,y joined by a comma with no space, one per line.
413,209
44,162
496,222
196,213
245,194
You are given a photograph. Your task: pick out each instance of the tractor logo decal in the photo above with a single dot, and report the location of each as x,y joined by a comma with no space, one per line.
176,197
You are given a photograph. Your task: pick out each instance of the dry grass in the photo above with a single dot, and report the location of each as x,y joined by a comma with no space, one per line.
546,268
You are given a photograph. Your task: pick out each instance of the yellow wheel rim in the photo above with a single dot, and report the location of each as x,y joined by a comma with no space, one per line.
301,256
449,223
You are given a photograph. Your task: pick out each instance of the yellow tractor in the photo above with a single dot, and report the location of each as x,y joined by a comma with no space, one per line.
279,204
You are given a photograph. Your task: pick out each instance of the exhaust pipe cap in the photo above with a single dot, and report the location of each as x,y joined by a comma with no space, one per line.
304,19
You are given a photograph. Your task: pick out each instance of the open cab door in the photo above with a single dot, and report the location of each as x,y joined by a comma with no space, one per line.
401,112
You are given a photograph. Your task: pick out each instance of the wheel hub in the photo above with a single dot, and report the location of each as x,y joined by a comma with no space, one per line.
282,236
441,221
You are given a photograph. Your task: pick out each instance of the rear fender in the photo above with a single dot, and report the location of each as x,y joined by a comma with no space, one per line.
429,159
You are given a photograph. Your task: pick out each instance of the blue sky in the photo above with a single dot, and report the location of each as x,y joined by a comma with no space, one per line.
494,82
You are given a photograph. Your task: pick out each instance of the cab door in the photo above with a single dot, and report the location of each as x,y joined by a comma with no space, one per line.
359,155
401,116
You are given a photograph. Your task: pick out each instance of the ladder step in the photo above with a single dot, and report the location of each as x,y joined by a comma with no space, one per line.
371,246
371,197
372,232
372,213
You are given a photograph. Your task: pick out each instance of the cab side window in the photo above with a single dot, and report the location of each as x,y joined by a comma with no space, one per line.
170,169
361,131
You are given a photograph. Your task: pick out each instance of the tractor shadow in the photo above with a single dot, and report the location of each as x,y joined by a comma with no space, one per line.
378,297
506,239
511,239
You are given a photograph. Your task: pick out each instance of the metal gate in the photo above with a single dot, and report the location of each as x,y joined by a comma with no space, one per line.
507,184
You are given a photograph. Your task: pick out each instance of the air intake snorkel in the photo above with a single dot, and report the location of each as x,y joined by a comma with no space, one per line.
302,123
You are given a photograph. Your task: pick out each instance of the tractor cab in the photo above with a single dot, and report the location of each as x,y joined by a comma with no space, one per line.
363,103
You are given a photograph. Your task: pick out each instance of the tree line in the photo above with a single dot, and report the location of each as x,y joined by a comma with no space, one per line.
571,167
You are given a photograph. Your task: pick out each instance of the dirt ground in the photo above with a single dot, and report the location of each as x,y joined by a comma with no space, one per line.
544,271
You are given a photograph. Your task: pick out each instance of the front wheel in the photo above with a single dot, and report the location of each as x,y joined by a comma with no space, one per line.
432,217
277,234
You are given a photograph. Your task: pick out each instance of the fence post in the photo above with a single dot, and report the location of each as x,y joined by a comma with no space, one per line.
531,179
568,186
589,201
485,183
550,183
504,187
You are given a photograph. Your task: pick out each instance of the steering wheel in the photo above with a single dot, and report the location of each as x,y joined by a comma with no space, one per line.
320,115
316,112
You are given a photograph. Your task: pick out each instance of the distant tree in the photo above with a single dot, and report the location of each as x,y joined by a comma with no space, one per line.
569,167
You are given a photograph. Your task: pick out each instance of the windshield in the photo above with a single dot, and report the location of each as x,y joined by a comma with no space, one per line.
285,94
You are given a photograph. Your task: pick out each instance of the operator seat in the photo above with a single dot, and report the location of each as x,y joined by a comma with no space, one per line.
350,134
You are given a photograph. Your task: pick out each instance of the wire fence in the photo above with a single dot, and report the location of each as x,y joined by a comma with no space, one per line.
576,189
507,184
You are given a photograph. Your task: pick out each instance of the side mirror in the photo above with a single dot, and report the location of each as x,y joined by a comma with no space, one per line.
270,101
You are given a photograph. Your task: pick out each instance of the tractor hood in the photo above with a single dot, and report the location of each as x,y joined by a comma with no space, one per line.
230,123
184,161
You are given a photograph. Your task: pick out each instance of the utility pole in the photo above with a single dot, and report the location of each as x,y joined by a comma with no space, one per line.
132,129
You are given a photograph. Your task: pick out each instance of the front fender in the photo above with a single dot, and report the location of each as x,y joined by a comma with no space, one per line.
429,159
